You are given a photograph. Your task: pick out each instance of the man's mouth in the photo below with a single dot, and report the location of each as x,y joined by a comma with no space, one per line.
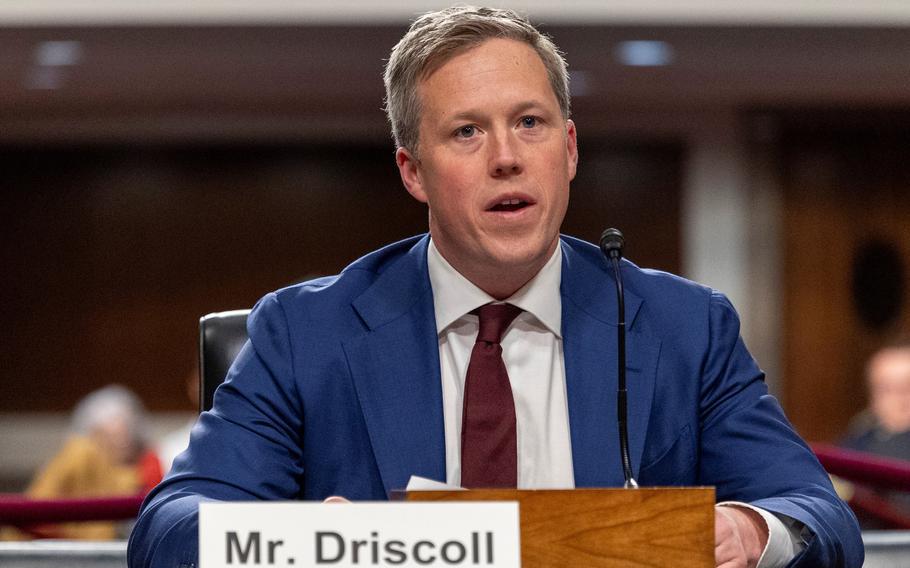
509,205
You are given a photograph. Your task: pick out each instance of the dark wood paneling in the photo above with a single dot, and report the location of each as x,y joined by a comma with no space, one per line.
635,188
113,254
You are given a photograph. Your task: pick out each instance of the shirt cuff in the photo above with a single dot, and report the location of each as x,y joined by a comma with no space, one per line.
785,540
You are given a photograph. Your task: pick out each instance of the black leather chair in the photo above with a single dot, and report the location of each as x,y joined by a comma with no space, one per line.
221,335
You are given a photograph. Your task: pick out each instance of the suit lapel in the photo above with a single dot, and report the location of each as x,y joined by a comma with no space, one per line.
395,367
589,344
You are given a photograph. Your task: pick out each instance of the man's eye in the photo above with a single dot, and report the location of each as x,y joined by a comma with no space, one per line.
529,121
466,131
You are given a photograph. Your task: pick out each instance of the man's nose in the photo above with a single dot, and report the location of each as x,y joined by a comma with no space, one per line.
504,155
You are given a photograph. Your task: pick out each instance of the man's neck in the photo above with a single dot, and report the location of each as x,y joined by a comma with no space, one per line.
499,281
454,295
501,286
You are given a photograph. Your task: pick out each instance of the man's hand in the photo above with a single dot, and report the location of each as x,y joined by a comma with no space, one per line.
335,499
740,536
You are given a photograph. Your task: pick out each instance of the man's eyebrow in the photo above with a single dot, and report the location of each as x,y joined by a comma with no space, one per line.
526,105
465,115
474,114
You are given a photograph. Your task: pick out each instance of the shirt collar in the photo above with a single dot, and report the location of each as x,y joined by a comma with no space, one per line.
454,295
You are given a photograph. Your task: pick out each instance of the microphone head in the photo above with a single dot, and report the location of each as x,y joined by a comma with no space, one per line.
611,243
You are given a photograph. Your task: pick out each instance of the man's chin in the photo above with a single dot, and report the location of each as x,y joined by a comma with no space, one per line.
518,259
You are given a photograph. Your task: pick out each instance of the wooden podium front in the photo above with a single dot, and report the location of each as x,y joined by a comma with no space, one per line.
593,528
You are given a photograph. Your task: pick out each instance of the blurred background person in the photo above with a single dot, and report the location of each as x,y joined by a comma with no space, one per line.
884,427
106,455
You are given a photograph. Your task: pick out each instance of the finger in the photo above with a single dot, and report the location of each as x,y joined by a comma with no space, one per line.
335,499
724,554
728,555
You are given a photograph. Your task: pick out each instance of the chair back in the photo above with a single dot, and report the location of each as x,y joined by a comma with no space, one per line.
221,335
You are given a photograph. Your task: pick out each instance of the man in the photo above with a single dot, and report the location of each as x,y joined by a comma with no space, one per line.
106,454
885,428
352,384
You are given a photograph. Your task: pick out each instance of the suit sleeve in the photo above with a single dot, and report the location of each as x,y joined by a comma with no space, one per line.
751,452
246,448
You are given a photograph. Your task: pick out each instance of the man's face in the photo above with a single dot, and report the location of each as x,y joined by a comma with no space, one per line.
495,161
889,386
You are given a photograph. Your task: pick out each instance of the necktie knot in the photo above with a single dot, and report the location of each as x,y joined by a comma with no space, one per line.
494,320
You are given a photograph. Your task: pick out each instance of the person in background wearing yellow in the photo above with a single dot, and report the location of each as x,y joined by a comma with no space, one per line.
105,456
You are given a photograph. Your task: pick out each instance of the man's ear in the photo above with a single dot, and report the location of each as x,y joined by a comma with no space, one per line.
409,168
572,147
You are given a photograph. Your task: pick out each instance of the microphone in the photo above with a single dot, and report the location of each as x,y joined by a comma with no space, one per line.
611,243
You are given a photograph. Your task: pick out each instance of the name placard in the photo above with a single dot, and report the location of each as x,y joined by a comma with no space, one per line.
356,535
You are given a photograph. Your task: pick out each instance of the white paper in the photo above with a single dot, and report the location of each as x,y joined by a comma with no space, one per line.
417,483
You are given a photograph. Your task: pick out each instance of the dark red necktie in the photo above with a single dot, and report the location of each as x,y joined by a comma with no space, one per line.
489,450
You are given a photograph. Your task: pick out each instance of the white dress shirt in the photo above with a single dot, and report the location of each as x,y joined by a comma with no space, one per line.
532,352
533,355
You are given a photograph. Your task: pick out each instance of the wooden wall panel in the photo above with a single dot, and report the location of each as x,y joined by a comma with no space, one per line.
635,188
114,254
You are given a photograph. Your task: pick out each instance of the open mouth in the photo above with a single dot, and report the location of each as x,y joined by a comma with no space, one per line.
510,205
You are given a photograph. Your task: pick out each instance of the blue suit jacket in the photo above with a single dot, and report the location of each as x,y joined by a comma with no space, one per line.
338,392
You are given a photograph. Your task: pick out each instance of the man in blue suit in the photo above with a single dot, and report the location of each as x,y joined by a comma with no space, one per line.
351,384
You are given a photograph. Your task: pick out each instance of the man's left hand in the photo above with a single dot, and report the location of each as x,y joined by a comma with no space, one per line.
740,536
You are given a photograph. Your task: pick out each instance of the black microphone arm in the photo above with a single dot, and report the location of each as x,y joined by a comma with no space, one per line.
611,243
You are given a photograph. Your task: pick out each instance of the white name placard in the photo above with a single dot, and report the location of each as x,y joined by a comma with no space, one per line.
358,535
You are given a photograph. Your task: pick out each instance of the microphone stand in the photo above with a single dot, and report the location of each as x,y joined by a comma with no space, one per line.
611,243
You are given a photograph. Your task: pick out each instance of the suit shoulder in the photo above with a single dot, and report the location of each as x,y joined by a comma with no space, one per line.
646,282
669,299
661,282
351,281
